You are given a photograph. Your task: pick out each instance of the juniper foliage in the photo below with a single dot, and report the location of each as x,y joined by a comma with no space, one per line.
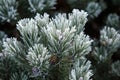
102,63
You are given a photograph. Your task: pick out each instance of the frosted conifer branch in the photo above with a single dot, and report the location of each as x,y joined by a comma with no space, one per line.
38,56
59,35
21,76
78,19
111,38
29,31
81,70
42,20
2,36
8,10
12,47
116,68
109,41
113,21
59,39
40,5
94,9
61,21
81,45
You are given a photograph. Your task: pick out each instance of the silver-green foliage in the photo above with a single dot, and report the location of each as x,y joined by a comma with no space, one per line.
93,9
103,53
81,70
113,21
20,76
12,46
2,36
43,37
8,10
109,41
40,5
78,19
38,56
116,68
